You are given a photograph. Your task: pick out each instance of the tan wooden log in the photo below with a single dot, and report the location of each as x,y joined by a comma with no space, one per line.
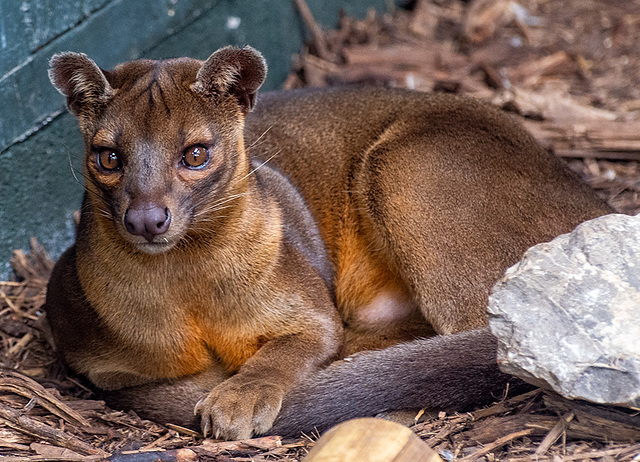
371,440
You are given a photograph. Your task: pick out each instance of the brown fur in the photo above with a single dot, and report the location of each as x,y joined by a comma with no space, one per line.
422,201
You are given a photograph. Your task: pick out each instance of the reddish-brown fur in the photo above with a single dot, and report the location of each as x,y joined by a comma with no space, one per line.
387,213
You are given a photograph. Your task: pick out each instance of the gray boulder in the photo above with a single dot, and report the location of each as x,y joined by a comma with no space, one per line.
567,316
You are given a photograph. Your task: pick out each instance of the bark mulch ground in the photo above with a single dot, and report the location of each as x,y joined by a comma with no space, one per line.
568,70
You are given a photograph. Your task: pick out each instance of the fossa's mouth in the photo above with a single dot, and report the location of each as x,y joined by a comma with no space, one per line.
155,247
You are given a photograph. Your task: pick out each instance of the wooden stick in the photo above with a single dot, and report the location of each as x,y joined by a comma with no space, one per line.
16,446
316,31
608,155
157,442
554,434
496,444
22,385
16,420
20,344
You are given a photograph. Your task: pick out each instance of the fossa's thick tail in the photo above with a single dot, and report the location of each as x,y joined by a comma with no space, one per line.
451,372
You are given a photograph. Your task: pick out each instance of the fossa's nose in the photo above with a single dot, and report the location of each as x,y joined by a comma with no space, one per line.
147,219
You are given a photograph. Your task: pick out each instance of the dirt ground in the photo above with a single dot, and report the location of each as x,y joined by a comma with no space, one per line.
566,69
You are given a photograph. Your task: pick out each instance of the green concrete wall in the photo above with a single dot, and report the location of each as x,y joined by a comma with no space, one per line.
39,140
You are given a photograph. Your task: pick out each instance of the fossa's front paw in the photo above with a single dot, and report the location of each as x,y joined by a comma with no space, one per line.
239,407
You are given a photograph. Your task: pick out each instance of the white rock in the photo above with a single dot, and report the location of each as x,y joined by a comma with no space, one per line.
567,316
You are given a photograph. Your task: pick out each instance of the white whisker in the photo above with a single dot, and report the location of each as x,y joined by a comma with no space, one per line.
258,167
218,205
260,137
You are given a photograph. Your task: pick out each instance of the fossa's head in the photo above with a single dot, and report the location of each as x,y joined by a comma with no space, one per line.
163,139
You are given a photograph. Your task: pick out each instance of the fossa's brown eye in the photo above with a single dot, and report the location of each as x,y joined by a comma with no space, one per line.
109,160
195,156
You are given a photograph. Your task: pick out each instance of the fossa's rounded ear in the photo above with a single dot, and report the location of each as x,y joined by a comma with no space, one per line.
81,80
235,71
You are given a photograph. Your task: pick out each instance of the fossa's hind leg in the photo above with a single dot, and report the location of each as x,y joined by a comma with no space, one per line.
451,223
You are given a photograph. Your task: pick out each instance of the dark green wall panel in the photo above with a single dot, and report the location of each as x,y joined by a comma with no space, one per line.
27,25
14,45
272,28
45,19
40,193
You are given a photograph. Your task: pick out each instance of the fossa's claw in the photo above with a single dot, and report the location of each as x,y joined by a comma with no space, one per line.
196,408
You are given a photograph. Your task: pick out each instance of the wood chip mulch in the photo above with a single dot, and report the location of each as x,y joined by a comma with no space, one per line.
567,69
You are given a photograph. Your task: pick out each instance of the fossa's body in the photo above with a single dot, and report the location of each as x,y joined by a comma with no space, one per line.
223,258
